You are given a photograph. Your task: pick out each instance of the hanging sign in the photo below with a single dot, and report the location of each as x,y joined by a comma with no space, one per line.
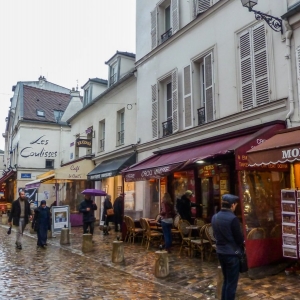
84,143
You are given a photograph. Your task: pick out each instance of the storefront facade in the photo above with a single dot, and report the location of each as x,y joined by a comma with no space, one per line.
211,169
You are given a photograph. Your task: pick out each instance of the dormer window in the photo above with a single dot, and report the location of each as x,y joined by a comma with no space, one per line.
40,113
58,114
113,74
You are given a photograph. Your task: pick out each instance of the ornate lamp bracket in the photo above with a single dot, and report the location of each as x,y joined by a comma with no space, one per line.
273,22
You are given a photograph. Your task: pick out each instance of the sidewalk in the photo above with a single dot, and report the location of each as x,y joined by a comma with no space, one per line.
187,275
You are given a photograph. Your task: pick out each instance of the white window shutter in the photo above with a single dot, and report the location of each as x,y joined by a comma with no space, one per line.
203,5
154,28
298,69
246,70
195,8
175,101
209,87
260,59
187,97
154,111
175,16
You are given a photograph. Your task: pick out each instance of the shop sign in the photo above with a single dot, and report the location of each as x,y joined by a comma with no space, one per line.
26,175
100,176
207,171
84,143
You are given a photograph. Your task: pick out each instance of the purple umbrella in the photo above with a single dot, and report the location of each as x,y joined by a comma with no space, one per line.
93,192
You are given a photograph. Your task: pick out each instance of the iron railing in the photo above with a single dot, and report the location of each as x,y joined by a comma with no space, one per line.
121,138
102,145
167,127
166,35
201,115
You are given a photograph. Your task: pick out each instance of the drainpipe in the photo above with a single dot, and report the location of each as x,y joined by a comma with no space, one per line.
288,36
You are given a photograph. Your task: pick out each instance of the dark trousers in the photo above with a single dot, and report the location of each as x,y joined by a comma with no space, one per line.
118,221
230,265
88,225
166,227
42,234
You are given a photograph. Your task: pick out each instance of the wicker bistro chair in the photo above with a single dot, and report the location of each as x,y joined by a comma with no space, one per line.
209,235
199,222
256,234
150,235
201,243
133,232
143,222
175,232
126,239
185,235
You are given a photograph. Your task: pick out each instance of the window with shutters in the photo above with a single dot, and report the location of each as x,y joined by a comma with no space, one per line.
165,105
254,73
201,6
203,88
164,21
121,127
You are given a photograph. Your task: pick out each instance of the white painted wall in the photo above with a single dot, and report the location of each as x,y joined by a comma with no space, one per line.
126,64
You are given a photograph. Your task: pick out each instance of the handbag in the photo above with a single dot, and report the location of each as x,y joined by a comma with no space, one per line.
110,212
243,262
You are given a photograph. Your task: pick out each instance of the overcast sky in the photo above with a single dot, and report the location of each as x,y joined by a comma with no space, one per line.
63,40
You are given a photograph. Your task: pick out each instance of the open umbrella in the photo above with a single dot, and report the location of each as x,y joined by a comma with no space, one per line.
93,192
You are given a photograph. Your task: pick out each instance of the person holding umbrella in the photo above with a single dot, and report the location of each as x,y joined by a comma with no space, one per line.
87,208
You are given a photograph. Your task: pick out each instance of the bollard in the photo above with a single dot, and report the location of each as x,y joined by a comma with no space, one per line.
219,283
161,266
87,244
117,255
4,219
65,236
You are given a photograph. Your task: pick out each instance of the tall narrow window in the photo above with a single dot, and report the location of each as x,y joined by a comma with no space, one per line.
121,121
113,74
167,18
169,101
102,136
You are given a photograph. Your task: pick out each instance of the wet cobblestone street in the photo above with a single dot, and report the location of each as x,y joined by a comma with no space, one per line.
64,272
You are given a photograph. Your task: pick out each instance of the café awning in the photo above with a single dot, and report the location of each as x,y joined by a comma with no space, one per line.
7,176
160,165
36,183
281,148
112,167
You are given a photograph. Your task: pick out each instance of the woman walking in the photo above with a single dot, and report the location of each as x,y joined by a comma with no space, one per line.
42,223
167,214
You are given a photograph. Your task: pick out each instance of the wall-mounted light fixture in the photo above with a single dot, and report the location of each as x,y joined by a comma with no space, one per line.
273,22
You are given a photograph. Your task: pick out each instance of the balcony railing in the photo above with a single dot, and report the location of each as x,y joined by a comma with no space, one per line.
201,115
113,79
167,127
121,138
102,145
166,35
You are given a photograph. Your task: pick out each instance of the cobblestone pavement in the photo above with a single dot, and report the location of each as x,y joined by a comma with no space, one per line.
64,272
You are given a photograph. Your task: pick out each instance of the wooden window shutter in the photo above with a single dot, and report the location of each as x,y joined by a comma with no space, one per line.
246,70
209,87
175,101
298,68
175,16
261,78
187,98
203,5
154,111
154,28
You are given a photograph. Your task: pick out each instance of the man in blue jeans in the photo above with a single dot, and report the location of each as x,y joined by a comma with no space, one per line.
229,242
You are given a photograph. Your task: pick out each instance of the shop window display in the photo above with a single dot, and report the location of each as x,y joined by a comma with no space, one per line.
262,202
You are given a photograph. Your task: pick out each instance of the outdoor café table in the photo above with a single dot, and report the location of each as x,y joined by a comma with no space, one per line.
194,229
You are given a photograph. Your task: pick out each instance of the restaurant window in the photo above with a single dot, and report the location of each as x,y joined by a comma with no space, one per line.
154,198
262,202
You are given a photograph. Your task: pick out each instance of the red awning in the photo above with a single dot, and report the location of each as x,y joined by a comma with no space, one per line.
281,148
162,164
7,176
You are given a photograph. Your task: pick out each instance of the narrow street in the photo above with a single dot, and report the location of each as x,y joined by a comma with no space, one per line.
64,272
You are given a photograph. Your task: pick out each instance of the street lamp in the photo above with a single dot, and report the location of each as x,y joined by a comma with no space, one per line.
273,22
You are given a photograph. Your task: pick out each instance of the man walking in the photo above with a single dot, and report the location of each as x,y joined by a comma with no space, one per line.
229,242
20,215
87,208
118,212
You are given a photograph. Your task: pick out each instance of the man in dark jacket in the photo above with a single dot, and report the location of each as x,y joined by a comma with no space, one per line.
118,212
184,205
20,215
87,208
229,242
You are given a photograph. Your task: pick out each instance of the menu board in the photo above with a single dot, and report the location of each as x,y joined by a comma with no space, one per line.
290,207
